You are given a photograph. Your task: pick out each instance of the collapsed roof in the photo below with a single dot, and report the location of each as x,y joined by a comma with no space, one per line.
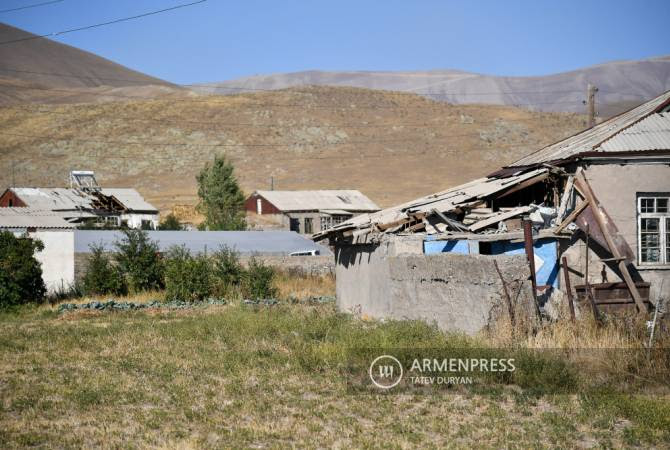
69,199
487,205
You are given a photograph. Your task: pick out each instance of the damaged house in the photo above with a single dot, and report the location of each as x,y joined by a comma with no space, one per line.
83,202
306,212
587,217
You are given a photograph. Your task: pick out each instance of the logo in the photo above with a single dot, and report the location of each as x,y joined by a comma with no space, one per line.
385,372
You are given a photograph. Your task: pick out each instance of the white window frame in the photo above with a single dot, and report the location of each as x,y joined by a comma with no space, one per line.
663,219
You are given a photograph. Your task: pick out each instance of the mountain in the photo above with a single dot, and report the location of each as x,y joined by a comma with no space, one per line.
44,71
621,84
392,146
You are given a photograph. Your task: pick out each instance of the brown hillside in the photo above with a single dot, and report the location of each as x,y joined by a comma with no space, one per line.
392,146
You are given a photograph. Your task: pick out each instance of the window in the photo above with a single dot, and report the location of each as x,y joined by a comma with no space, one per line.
654,230
326,222
308,225
294,225
339,219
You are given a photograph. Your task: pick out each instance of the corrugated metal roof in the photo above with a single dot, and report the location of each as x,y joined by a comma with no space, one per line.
443,202
16,217
65,199
590,140
349,200
130,198
651,133
244,242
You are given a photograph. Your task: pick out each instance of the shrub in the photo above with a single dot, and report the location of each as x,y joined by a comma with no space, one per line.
139,261
259,281
102,276
20,273
187,277
227,272
170,223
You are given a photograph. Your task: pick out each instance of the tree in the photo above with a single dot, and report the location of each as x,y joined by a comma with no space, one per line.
221,199
20,273
187,277
102,276
170,223
138,259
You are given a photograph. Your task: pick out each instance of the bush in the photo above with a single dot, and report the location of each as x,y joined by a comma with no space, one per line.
170,223
227,272
102,276
139,261
187,277
20,273
258,281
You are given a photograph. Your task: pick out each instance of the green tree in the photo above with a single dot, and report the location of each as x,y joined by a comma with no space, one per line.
170,223
221,199
139,261
227,272
102,276
258,283
187,277
20,273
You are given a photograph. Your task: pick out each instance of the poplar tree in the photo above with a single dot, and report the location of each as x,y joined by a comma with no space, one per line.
221,199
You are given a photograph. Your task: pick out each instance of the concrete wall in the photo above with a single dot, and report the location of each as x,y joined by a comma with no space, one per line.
460,293
57,258
616,187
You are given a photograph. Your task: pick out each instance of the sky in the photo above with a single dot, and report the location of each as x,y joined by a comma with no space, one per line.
222,40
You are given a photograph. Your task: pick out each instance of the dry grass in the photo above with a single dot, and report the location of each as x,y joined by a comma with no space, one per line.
305,286
317,148
256,376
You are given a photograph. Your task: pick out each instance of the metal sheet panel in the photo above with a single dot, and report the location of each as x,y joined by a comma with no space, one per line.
349,200
244,242
651,133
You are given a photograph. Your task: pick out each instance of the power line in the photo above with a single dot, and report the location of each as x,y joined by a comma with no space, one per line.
111,22
30,6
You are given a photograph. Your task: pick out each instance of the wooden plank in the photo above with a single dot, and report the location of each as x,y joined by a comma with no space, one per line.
573,215
568,289
567,194
499,217
584,186
524,184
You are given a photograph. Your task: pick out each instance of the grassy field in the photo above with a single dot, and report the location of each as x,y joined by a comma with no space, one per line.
250,376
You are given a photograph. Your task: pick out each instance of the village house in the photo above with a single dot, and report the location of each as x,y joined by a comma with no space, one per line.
83,202
588,217
306,212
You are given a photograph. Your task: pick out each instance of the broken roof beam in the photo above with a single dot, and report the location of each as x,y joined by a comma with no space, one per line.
608,229
524,184
450,222
498,218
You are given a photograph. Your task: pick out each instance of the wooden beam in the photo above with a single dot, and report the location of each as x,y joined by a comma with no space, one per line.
573,215
524,184
498,217
567,193
584,186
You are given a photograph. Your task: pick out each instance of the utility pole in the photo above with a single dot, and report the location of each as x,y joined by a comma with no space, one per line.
591,104
13,173
272,182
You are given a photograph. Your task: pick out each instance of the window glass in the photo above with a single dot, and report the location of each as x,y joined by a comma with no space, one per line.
661,205
650,240
646,205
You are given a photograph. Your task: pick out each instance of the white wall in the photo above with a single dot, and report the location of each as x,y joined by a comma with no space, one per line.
135,220
57,258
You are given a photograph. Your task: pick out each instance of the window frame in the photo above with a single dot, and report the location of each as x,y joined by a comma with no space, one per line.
663,229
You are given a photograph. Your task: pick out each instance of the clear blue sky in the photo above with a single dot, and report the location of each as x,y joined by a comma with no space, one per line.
220,40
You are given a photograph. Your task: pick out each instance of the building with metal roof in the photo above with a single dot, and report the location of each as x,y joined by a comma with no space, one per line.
113,206
21,219
306,211
595,208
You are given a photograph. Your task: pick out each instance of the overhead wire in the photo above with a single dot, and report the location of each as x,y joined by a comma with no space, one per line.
30,6
102,24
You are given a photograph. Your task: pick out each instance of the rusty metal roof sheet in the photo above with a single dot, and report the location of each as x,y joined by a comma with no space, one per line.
651,133
591,139
348,200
